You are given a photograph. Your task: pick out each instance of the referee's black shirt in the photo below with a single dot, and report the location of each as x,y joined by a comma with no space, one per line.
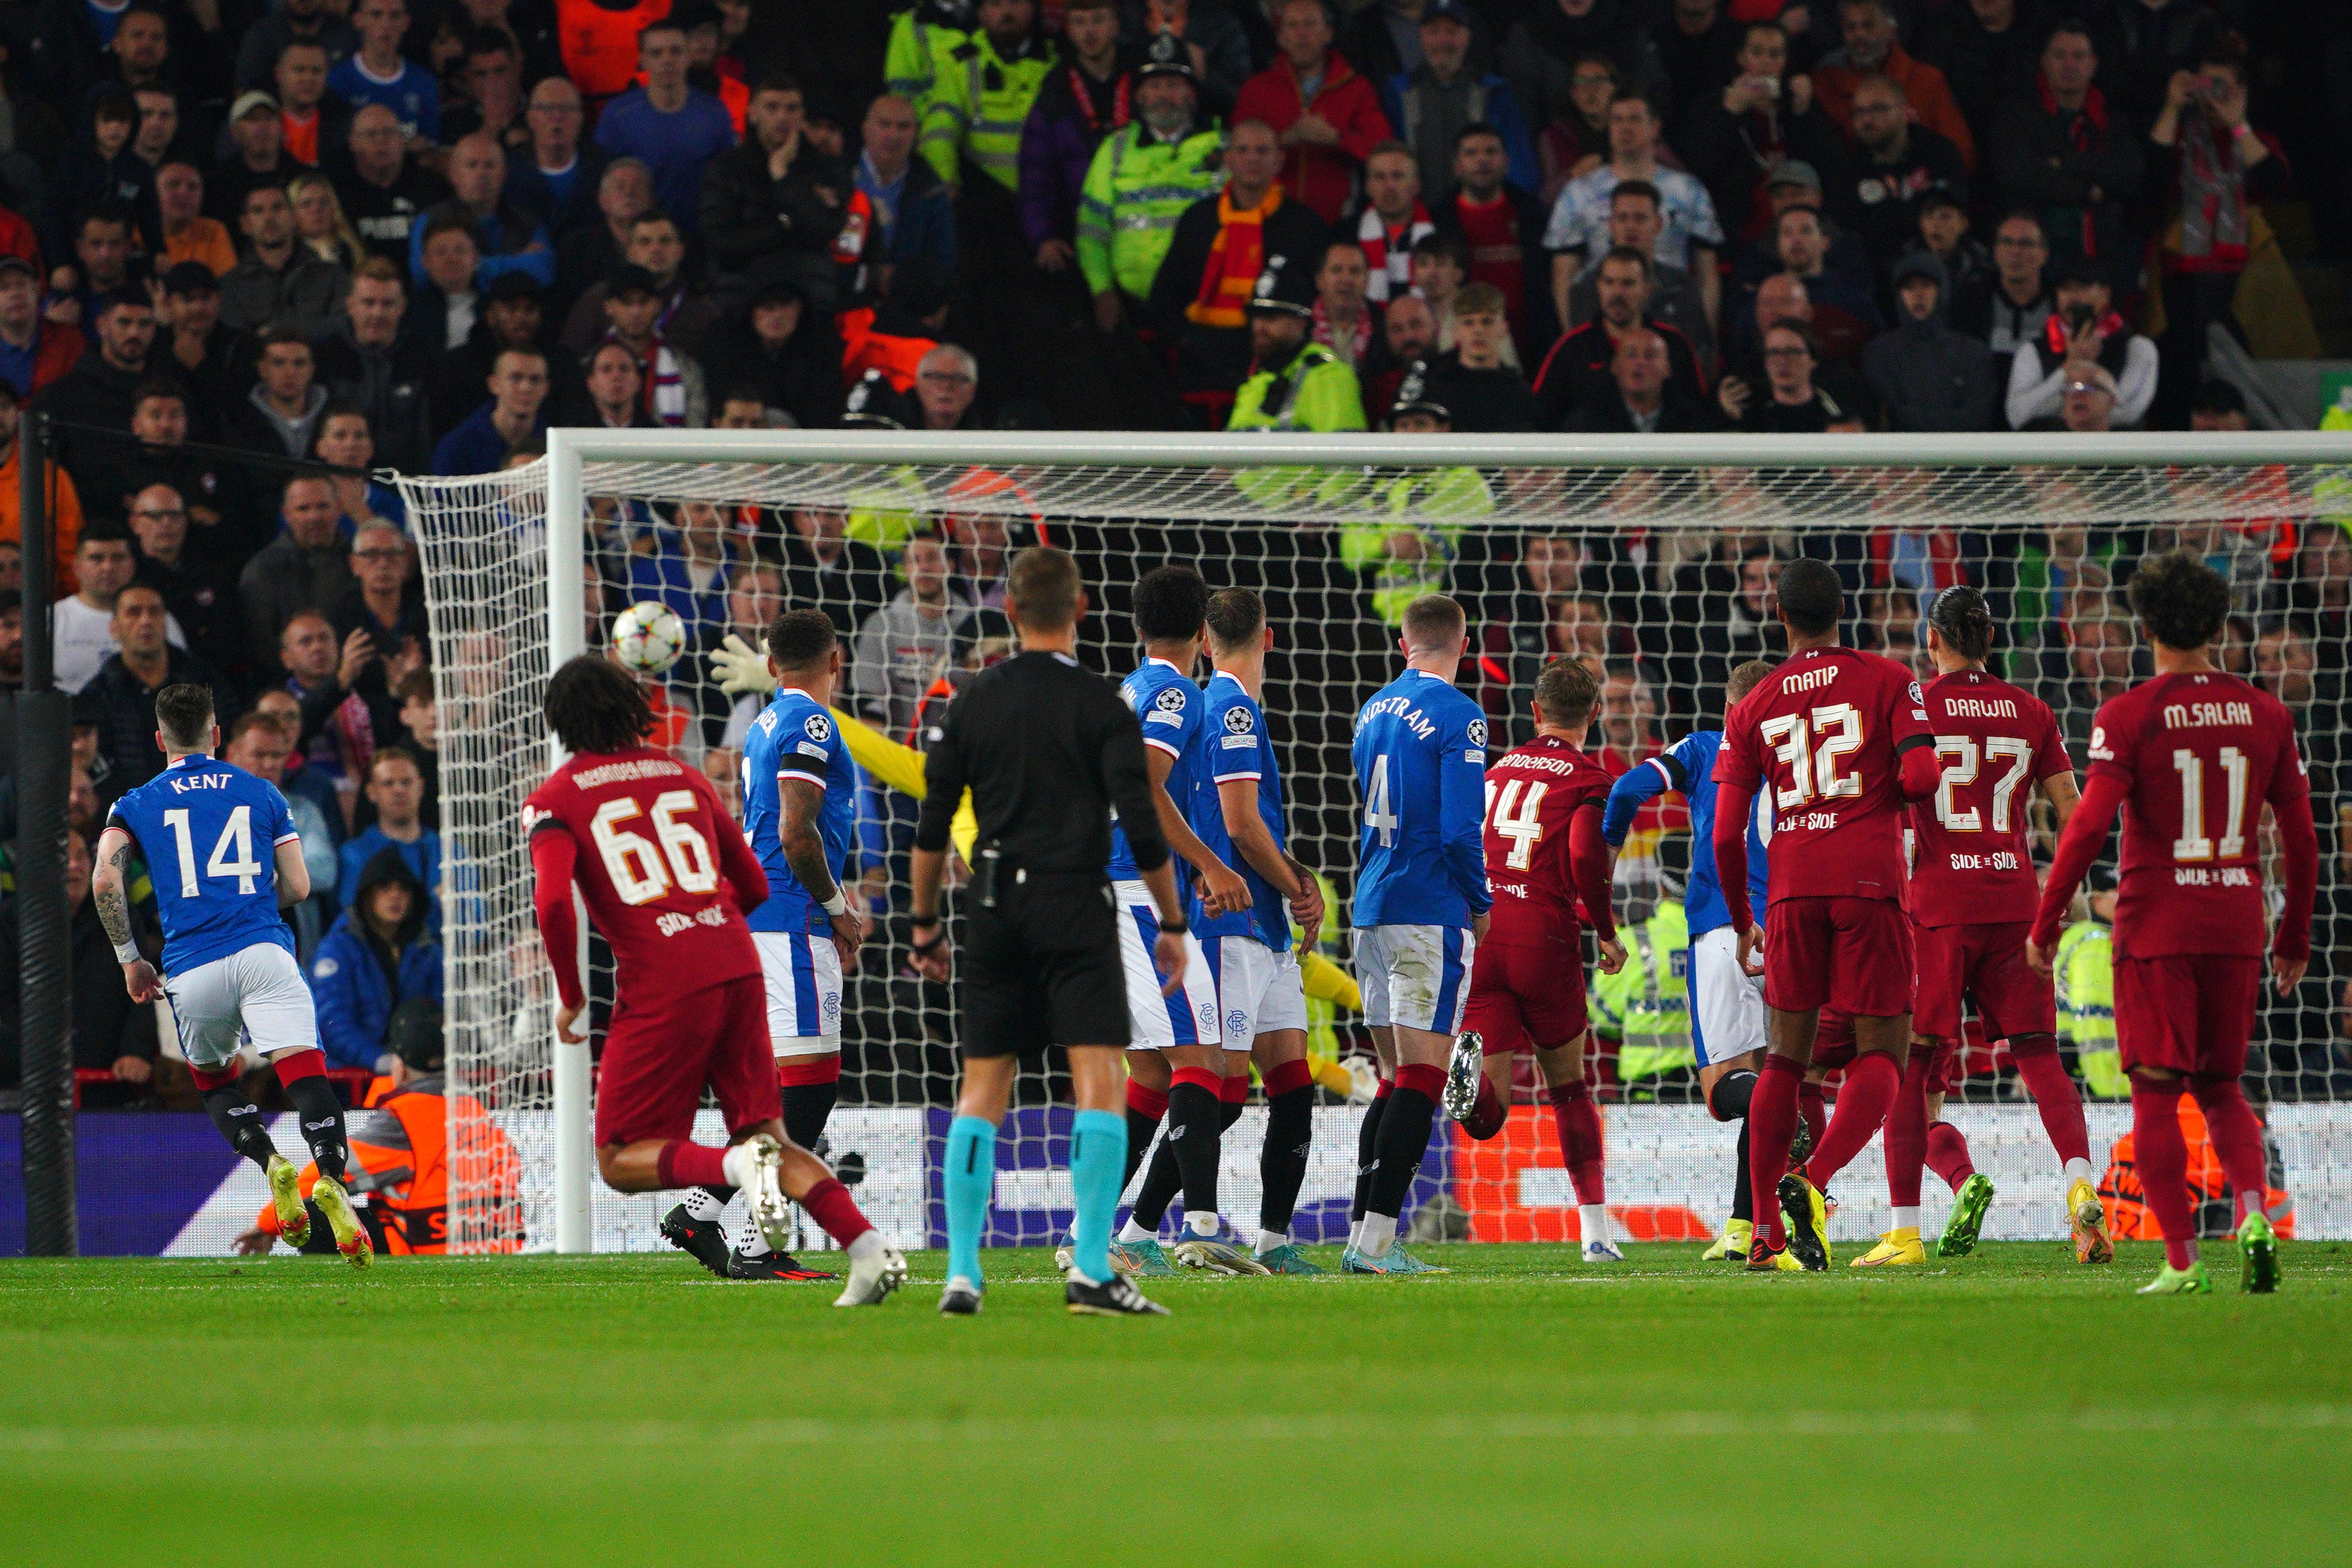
1047,748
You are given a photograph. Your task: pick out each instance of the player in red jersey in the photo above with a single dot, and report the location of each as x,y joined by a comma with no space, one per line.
666,876
1841,739
2192,756
1972,899
1544,850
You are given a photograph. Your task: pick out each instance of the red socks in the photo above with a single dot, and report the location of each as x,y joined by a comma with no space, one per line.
829,1204
1948,1155
1426,1081
2237,1137
799,1071
1861,1105
2162,1156
292,1070
2054,1095
1290,1076
1487,1117
1906,1133
1576,1120
1149,1103
1811,1106
684,1163
1772,1123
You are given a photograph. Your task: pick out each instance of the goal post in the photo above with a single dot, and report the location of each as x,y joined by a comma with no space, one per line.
1654,561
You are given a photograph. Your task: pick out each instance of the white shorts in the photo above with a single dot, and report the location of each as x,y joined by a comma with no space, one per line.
1258,989
1158,1022
256,997
804,979
1416,976
1726,1003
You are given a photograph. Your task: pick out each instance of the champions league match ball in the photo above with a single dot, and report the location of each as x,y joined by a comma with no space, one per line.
647,637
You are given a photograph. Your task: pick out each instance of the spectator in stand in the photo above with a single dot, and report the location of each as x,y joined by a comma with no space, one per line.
2087,406
1294,384
674,129
905,646
395,786
319,225
2143,43
774,207
344,441
194,350
280,283
625,193
687,566
658,244
98,390
305,567
1634,219
1441,265
34,352
384,192
1408,335
1638,404
258,743
420,727
102,170
1988,51
2219,165
1482,394
1896,164
1845,317
946,383
1540,57
2063,154
158,136
376,957
1087,99
1741,137
1393,220
675,392
1928,376
199,587
102,262
1699,42
557,175
1501,225
1790,403
385,600
279,416
1796,183
1431,102
615,390
514,418
448,302
1344,321
112,1033
786,352
1578,372
1690,238
2013,306
508,237
1943,233
491,78
2081,330
82,619
64,500
1577,139
848,579
368,363
125,688
1139,184
2218,405
1200,298
986,87
266,40
910,204
1325,116
312,118
1871,49
256,156
377,73
226,528
188,234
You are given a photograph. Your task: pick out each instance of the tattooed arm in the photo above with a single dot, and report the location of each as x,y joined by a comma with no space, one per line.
108,886
804,852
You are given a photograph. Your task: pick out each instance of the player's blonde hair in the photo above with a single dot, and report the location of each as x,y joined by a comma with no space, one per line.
1744,679
1432,623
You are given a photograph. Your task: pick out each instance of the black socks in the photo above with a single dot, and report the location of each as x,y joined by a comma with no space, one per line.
1403,1139
240,1121
1282,1164
321,1113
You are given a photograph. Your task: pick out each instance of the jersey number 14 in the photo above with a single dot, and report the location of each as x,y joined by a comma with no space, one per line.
1519,819
236,840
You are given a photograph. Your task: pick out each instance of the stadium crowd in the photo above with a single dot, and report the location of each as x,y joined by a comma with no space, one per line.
238,237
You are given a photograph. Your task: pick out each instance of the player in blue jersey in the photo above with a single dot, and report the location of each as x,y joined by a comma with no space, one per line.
799,791
1176,1062
1263,1008
1726,1003
229,958
1421,907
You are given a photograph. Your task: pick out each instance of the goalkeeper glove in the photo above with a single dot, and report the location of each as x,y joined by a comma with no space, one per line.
739,670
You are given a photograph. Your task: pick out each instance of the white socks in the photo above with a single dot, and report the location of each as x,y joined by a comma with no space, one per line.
701,1205
1907,1218
749,1239
1592,1220
1268,1241
869,1245
1380,1231
740,1164
1201,1222
2077,1170
1132,1233
1356,1234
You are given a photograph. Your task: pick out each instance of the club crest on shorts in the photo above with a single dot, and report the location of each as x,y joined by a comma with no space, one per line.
1238,720
818,726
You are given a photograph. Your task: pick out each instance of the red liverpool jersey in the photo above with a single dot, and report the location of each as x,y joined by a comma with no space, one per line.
2199,755
664,871
1532,794
1995,743
1826,732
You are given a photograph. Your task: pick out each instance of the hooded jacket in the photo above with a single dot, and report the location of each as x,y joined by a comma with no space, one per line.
1930,376
356,978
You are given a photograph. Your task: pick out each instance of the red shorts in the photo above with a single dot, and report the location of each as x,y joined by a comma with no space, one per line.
1523,997
2188,1013
656,1065
1851,954
1833,1051
1987,963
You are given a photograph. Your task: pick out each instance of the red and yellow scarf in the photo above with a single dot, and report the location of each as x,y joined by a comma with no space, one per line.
1235,258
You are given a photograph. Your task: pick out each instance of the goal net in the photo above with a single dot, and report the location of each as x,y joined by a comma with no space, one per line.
1652,559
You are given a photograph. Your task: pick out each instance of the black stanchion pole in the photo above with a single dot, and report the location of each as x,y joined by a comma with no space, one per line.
44,753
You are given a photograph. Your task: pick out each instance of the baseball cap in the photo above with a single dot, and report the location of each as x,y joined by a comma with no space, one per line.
19,263
2098,378
1795,172
247,102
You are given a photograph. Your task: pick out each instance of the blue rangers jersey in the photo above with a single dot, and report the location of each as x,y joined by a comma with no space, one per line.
1240,748
796,738
1171,709
1688,765
1421,766
209,833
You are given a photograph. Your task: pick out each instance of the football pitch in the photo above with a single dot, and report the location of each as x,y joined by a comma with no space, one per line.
2010,1408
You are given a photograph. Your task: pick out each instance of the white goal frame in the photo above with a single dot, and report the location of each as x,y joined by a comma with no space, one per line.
569,450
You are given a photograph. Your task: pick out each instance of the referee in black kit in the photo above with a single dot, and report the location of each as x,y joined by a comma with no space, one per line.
1047,748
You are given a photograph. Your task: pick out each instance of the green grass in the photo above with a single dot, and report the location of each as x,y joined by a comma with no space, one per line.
2007,1408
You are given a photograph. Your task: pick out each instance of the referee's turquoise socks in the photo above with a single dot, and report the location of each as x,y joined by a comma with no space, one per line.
971,1180
1097,1171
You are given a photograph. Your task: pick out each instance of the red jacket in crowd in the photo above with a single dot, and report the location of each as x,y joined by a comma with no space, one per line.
1321,178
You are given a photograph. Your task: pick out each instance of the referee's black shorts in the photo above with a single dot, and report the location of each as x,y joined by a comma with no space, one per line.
1042,967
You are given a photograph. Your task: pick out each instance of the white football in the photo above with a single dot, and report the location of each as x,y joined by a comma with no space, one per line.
648,637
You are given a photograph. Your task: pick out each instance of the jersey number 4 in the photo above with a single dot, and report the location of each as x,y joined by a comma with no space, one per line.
1376,814
1812,770
2192,844
1519,819
641,869
1962,761
236,840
